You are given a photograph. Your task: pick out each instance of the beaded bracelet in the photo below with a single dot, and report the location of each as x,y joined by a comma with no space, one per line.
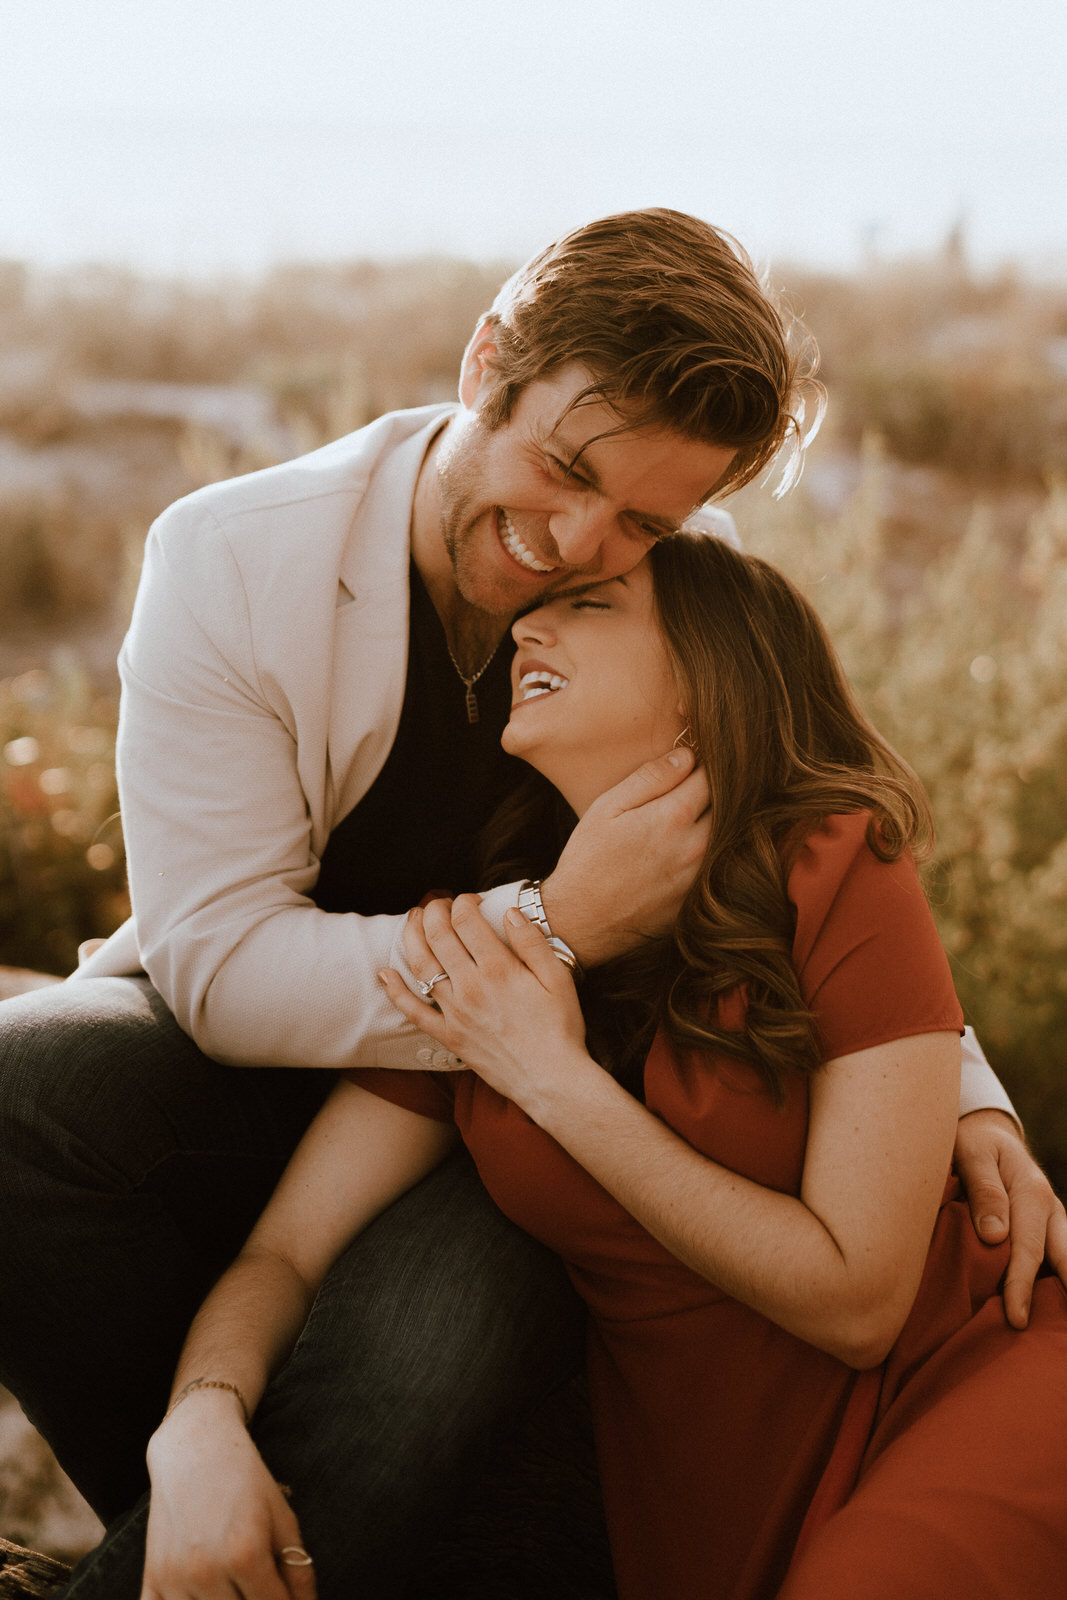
208,1383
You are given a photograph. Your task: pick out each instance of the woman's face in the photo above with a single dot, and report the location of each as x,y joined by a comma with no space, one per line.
593,694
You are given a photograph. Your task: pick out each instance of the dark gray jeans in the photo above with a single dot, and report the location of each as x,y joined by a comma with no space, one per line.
131,1168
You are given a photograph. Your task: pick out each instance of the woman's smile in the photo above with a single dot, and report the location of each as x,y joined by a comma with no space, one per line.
536,679
597,659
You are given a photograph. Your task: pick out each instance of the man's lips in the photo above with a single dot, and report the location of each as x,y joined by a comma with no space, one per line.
517,550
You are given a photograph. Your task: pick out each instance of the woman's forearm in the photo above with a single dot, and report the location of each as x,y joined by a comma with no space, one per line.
247,1325
770,1250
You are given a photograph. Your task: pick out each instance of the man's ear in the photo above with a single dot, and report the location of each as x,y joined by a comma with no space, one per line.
476,375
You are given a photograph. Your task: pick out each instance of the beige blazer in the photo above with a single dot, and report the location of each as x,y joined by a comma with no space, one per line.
263,677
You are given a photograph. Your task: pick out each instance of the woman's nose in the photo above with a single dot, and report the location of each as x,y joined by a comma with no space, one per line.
535,627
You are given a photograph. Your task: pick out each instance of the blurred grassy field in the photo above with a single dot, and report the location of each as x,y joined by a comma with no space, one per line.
930,528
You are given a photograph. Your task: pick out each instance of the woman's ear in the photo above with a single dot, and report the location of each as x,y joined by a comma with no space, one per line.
476,374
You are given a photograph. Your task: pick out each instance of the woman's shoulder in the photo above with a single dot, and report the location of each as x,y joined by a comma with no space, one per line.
865,947
834,858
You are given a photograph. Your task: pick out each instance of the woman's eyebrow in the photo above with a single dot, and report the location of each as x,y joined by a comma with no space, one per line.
584,588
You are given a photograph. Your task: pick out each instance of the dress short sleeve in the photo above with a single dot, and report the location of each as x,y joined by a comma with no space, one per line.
430,1094
870,961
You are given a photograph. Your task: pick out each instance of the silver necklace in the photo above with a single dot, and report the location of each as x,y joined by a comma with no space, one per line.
468,683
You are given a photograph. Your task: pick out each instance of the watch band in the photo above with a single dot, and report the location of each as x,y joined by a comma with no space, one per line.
532,908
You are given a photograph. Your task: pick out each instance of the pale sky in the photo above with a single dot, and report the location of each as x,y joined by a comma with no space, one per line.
204,135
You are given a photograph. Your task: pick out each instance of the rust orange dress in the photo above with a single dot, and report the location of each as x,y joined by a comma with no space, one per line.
737,1461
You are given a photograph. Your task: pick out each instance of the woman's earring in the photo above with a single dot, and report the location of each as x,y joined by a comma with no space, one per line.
684,738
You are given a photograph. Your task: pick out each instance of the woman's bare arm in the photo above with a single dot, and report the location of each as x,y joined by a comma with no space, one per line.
218,1520
825,1265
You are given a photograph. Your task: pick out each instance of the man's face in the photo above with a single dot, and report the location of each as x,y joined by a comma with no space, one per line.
521,522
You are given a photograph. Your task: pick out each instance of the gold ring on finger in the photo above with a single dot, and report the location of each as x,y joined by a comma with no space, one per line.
294,1555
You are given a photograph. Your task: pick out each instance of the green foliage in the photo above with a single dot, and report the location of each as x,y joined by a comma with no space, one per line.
61,861
952,625
59,562
964,672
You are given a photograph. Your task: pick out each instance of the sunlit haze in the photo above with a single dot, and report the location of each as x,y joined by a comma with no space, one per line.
194,136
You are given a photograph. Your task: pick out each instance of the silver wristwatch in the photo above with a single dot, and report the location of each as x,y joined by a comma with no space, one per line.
532,908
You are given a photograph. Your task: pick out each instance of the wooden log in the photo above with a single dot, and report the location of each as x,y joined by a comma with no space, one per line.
27,1575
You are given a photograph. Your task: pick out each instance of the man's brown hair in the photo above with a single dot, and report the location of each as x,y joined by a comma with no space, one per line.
669,317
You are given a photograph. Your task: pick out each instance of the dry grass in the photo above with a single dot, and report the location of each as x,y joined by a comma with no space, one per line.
931,531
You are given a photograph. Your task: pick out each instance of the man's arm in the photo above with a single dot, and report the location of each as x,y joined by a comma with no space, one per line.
221,775
629,863
217,773
1006,1190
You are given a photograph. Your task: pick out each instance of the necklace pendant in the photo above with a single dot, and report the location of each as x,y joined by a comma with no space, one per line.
472,705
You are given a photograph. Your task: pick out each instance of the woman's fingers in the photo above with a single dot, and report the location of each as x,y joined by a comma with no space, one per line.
535,952
446,945
416,949
418,1012
295,1565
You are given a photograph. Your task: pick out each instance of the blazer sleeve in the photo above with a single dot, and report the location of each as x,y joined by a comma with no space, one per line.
219,838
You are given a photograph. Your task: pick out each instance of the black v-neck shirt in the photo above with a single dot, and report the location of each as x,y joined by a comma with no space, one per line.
415,829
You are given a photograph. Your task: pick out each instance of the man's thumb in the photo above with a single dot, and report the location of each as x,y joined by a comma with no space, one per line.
650,781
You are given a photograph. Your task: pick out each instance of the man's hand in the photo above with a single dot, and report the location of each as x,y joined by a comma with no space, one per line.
629,863
1010,1196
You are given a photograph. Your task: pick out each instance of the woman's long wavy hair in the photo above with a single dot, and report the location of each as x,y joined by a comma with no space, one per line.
784,745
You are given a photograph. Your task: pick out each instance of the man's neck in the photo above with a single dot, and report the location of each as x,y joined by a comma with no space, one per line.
472,634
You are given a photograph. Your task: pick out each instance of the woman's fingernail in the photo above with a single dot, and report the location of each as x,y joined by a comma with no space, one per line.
514,916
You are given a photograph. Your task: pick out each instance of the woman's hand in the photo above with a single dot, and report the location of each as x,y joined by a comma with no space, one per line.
511,1014
219,1527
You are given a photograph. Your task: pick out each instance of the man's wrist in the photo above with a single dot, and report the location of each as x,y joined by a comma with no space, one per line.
533,909
1003,1121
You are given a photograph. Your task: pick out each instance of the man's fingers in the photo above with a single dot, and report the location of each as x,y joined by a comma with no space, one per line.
1038,1233
988,1200
650,781
1056,1242
1027,1254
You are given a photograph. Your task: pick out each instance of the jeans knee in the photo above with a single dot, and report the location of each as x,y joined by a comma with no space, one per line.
70,1064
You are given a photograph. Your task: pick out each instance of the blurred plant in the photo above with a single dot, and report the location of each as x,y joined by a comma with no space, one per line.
951,626
62,873
964,671
58,562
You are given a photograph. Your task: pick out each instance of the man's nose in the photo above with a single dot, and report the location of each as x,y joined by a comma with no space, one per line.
580,528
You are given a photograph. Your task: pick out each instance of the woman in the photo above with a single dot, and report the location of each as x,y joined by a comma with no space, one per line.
786,1380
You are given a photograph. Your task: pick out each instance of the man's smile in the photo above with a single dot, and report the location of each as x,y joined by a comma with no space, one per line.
516,549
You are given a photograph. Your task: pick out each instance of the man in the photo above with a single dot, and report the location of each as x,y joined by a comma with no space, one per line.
313,695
